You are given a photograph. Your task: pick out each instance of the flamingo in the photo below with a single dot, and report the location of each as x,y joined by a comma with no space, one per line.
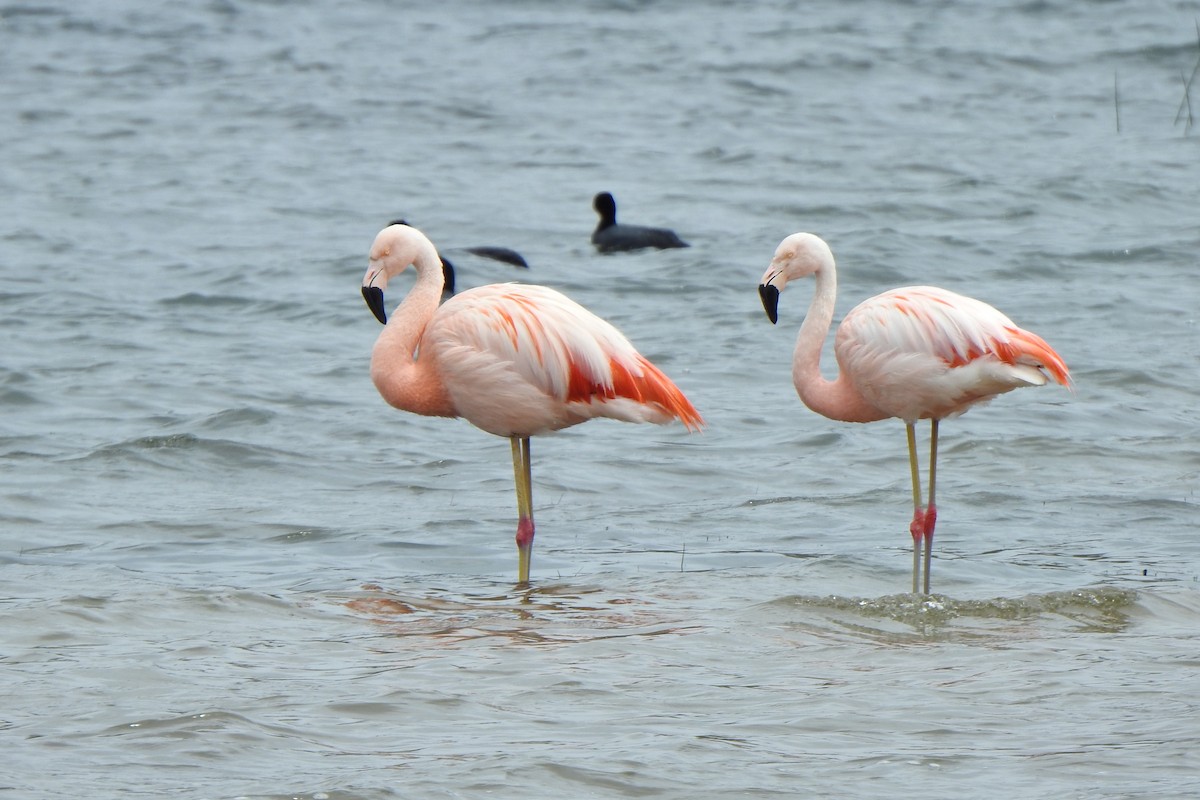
513,360
918,352
611,237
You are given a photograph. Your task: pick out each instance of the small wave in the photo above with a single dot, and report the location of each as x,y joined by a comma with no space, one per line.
16,397
246,416
163,451
196,725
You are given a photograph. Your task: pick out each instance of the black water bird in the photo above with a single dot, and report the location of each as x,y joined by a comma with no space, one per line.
610,237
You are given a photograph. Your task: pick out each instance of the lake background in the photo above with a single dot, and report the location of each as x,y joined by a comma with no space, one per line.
228,569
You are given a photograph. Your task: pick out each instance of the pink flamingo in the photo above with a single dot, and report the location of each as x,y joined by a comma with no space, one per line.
915,353
511,359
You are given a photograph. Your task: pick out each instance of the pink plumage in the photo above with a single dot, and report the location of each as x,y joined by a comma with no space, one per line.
918,352
521,360
514,360
921,352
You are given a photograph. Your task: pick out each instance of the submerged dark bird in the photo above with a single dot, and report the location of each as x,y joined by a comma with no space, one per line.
504,254
499,254
609,237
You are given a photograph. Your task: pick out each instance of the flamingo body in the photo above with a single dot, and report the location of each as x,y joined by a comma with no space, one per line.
513,360
518,360
921,352
917,352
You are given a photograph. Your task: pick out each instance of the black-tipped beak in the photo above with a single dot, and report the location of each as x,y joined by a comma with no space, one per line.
374,297
770,301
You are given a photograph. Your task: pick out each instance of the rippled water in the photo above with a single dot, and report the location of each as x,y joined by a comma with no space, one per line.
229,570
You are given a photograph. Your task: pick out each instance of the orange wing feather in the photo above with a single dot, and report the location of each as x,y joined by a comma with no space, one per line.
654,387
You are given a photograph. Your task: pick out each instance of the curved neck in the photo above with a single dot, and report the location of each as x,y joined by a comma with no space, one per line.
405,377
836,399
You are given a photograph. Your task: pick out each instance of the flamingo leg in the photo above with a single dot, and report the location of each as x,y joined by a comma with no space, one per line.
931,509
522,475
917,526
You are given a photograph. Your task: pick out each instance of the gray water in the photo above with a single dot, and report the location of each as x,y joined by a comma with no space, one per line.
230,570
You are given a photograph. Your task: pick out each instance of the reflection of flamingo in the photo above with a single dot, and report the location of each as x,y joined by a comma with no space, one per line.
511,359
913,353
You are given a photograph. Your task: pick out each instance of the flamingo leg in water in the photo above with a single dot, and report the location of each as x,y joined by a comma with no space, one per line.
917,526
931,509
522,475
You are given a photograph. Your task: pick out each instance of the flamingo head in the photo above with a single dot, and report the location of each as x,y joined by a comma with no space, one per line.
798,256
396,248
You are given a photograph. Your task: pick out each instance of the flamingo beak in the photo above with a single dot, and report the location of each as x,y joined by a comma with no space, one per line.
770,301
374,297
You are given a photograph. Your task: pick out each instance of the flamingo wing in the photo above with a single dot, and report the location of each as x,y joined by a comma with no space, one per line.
523,360
920,352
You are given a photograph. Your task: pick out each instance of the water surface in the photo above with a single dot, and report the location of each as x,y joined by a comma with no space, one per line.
230,570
